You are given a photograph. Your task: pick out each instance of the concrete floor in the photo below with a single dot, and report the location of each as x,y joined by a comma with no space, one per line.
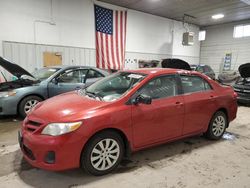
192,162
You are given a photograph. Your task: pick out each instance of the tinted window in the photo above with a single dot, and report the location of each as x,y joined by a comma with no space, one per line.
208,69
44,73
72,76
164,86
192,84
200,69
94,74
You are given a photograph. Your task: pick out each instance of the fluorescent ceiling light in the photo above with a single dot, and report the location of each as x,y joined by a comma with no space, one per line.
218,16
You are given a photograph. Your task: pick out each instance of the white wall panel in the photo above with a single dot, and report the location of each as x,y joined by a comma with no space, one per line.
219,41
24,54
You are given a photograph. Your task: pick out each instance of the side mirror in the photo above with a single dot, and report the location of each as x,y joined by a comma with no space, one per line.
54,81
144,99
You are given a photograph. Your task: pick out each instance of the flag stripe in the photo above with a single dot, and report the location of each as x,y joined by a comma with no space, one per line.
107,53
117,38
102,51
97,50
121,37
112,53
125,34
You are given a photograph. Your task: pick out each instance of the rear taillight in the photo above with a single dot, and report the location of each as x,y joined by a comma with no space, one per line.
235,95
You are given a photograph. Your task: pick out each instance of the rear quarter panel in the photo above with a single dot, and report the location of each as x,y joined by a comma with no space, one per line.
226,100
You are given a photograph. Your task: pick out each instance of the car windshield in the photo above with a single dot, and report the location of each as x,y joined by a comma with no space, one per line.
44,73
114,87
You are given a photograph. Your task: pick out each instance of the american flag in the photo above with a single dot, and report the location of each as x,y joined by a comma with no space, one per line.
110,37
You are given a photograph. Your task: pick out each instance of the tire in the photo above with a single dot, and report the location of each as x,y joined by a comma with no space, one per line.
27,104
95,160
217,126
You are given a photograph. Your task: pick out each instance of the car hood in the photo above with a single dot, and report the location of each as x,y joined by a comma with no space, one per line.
244,70
20,83
14,69
66,107
175,63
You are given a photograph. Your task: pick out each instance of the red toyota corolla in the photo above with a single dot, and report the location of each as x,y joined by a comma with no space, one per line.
96,127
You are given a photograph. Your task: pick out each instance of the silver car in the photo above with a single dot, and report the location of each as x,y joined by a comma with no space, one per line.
21,95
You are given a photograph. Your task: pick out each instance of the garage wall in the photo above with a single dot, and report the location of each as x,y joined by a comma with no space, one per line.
69,26
219,41
28,53
190,54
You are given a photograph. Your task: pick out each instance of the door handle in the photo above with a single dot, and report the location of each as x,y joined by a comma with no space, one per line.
211,97
178,103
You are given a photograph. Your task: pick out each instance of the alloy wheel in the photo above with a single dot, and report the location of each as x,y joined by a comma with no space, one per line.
105,154
29,105
219,125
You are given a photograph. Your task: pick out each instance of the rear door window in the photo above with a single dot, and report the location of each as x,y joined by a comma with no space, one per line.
94,74
200,69
192,84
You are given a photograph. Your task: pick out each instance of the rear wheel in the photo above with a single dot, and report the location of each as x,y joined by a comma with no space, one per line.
27,104
103,153
217,126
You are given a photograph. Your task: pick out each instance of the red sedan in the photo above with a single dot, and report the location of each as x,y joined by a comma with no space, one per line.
128,111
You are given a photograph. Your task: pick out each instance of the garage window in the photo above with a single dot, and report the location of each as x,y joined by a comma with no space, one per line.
242,31
191,84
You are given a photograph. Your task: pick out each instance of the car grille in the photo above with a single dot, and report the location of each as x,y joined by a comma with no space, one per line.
28,152
242,94
32,126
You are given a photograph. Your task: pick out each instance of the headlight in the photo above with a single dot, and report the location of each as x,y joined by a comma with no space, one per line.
7,94
55,129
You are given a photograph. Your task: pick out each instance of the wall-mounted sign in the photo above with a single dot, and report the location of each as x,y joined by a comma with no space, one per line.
227,62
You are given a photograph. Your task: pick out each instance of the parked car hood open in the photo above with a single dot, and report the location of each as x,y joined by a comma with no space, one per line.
20,73
66,107
244,70
175,63
14,69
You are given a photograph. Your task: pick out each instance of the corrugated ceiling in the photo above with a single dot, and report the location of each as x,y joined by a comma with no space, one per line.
200,10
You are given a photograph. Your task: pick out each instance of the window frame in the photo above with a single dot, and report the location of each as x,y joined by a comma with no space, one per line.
68,71
243,35
194,75
87,74
202,35
137,93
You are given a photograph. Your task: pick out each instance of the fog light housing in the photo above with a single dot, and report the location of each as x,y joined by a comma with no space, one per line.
50,157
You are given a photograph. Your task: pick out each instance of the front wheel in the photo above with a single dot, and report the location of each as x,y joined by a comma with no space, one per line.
27,104
103,153
217,126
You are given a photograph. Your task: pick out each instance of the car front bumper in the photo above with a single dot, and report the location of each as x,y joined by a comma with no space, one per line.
8,106
53,153
243,97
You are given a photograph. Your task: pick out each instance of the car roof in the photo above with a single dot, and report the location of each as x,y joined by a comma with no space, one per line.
201,65
67,66
159,71
78,66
